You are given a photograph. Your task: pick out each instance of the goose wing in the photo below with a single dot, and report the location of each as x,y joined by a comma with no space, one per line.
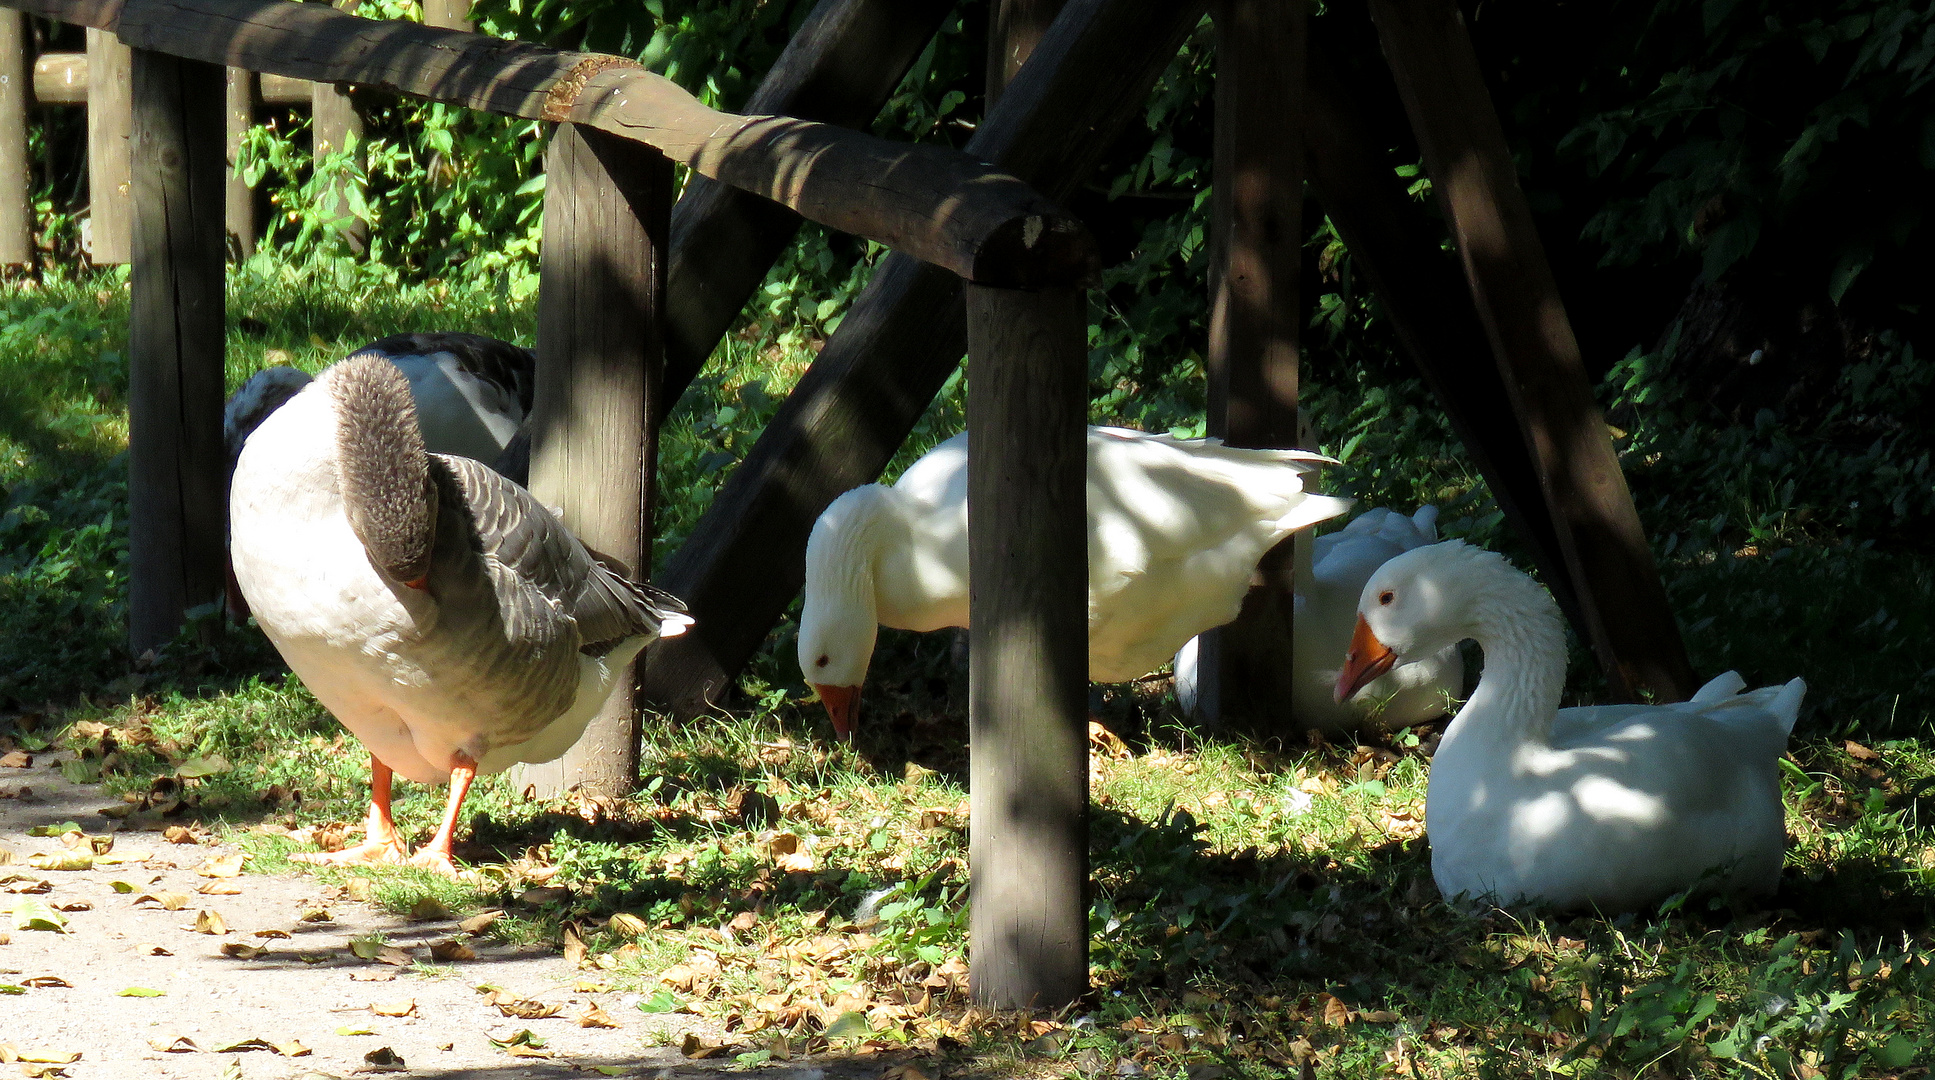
595,590
511,368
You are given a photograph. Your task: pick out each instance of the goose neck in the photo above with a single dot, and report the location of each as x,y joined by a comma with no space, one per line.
1517,698
383,467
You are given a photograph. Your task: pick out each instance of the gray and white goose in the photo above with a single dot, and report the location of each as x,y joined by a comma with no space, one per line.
435,607
472,393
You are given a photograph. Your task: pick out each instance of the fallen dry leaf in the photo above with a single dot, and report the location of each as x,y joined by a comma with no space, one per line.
627,925
450,950
698,1046
743,922
282,934
149,948
358,888
62,860
480,922
399,1007
221,887
372,976
45,982
1855,751
315,915
239,950
396,957
524,1009
595,1017
178,834
574,946
16,759
180,1044
210,922
168,901
384,1059
428,909
221,866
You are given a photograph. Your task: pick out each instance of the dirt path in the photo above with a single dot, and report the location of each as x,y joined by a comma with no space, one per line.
309,986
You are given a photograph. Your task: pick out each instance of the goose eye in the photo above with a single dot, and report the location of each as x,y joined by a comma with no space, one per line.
821,662
1386,597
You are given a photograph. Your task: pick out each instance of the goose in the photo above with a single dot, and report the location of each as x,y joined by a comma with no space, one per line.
1331,572
442,614
472,393
1613,807
1175,529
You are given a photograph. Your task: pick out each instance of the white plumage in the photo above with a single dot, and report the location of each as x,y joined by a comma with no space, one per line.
1175,529
1614,807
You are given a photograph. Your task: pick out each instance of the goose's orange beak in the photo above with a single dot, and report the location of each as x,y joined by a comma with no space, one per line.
842,706
1367,659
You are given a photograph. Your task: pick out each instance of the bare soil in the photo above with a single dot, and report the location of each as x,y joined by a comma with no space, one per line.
309,987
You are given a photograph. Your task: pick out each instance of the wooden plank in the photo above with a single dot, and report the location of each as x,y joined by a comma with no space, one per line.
594,428
16,203
839,68
937,204
283,90
109,199
1015,27
1630,626
1245,670
335,127
1420,290
177,505
60,79
450,14
239,200
1028,683
903,337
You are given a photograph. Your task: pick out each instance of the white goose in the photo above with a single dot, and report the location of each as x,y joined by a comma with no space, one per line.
472,393
1175,529
443,615
1331,573
1614,806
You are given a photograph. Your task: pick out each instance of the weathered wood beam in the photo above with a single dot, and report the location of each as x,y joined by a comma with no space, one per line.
931,202
899,343
109,201
1015,27
1028,613
1419,289
239,200
1245,671
452,14
60,79
594,426
16,210
839,68
177,504
1630,626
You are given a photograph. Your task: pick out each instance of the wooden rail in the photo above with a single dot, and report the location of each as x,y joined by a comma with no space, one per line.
933,203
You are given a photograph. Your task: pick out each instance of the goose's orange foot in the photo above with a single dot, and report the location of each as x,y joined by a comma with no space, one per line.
375,853
435,859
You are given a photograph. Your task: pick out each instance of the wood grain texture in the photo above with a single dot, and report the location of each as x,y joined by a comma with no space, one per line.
16,210
109,192
594,425
335,126
744,560
283,90
1028,680
177,508
450,14
839,68
239,199
60,79
1256,240
1015,27
1421,290
1631,628
937,204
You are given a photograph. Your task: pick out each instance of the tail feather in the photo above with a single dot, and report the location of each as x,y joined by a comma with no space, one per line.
1719,688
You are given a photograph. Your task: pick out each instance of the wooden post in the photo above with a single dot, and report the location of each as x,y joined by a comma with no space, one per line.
1631,627
839,68
594,430
240,205
1015,27
333,124
1028,610
901,340
450,14
1396,249
109,105
177,507
16,209
1246,669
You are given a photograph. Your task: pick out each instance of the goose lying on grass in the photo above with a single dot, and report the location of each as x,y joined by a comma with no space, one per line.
442,614
1613,807
1331,573
472,393
1175,529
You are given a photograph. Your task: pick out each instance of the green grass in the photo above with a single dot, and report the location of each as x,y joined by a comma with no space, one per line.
1255,907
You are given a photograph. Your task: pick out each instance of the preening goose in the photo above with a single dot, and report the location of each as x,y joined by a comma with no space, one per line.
1615,806
472,394
442,614
1331,573
1175,529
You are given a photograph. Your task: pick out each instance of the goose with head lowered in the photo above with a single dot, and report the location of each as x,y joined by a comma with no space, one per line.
1613,807
433,606
1175,529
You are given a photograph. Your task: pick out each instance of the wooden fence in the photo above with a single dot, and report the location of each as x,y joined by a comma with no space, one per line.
984,261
